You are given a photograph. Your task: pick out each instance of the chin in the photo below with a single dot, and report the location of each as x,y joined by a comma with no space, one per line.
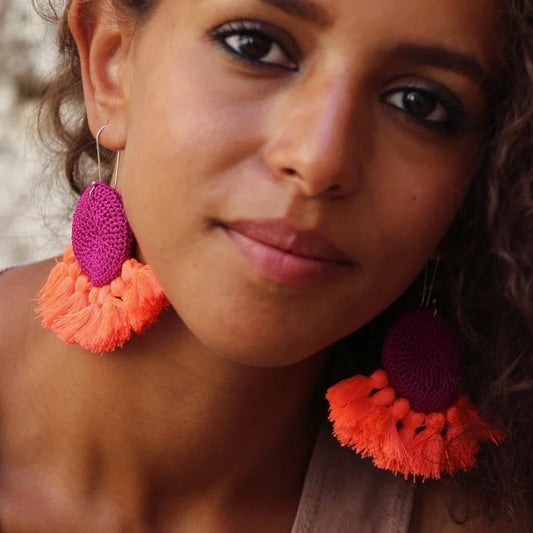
262,350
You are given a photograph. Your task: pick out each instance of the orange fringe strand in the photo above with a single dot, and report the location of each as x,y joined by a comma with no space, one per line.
99,319
369,418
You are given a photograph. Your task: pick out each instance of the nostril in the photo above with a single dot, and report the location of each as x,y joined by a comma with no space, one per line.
290,171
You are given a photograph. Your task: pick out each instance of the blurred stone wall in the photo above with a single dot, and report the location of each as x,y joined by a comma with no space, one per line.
33,220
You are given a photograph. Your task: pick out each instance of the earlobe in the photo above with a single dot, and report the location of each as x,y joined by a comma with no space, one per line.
103,51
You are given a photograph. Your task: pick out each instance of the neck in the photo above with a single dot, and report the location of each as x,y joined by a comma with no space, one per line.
183,420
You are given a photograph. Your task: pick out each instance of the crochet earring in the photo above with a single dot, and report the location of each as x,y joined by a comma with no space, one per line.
412,417
98,295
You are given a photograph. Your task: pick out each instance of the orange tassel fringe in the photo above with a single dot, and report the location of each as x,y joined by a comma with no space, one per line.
99,319
369,418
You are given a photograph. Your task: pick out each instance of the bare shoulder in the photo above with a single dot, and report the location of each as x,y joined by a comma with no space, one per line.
24,396
19,289
24,344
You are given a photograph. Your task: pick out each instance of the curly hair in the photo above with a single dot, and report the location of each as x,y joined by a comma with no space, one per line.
490,280
486,282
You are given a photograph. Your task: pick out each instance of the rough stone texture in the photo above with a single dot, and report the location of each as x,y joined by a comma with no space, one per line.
29,210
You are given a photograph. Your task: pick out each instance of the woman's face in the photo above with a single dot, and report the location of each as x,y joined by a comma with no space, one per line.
290,166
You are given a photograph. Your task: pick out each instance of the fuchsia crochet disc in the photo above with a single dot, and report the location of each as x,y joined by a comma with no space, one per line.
423,356
101,235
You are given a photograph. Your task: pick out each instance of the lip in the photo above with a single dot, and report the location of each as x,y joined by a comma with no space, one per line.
279,252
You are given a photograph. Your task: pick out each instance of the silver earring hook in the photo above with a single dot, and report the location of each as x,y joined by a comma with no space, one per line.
115,173
98,160
424,287
427,291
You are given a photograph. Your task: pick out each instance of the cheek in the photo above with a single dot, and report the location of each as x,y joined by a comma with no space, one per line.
402,211
420,213
416,189
179,163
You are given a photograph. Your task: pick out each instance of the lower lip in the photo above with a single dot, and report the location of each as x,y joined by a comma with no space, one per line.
284,267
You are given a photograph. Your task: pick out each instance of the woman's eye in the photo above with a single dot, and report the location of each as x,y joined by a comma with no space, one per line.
250,42
429,108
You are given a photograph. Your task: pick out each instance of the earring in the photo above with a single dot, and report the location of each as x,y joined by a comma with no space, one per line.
98,295
412,417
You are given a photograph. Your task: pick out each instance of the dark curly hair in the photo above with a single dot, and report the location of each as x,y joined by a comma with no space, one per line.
486,280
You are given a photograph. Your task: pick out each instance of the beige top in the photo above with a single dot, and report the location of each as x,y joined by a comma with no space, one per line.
343,493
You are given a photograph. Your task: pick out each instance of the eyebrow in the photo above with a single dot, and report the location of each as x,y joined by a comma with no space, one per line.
442,57
304,9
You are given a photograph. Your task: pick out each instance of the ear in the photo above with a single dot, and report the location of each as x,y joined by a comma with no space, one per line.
103,47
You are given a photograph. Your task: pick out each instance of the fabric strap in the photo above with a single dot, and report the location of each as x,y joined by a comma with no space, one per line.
343,493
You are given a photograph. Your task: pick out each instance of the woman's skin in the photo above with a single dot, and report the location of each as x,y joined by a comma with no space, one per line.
283,203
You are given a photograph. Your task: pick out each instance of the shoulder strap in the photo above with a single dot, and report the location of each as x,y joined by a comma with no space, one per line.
343,493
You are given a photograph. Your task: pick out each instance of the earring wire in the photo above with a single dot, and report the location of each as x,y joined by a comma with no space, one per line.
99,163
115,172
98,160
426,292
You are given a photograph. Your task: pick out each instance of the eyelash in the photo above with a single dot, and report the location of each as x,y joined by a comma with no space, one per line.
251,29
454,122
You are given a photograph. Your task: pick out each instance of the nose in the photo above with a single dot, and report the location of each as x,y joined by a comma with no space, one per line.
313,142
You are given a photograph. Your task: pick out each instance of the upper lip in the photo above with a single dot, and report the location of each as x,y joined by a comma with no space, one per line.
279,233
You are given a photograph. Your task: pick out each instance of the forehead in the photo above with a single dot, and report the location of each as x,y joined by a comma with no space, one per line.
325,12
472,24
469,26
